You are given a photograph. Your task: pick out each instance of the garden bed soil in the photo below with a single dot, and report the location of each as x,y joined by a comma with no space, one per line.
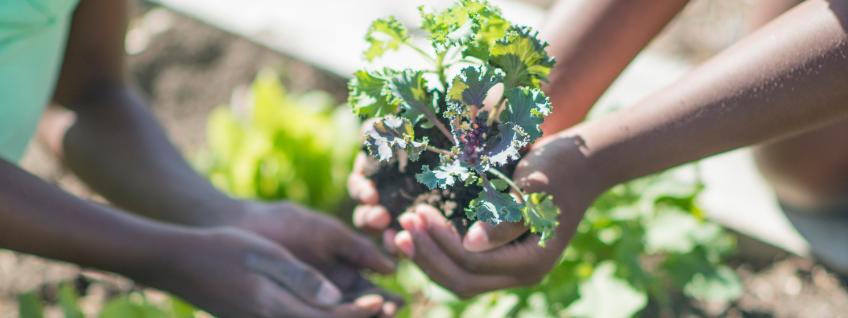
400,191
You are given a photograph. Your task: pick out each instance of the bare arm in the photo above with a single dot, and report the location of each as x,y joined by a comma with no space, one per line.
789,76
116,146
593,44
39,218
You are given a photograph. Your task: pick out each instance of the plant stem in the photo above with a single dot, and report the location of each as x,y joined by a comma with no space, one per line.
443,129
455,53
507,180
495,110
440,151
440,68
429,58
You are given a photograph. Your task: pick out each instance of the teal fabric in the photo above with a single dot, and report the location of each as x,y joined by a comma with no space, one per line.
33,34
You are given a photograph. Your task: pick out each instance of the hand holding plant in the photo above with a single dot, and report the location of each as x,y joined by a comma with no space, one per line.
462,148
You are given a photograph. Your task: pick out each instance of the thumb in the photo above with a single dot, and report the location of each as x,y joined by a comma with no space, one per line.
300,279
483,237
362,252
364,306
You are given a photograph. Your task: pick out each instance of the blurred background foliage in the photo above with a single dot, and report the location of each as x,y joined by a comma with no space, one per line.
269,145
642,247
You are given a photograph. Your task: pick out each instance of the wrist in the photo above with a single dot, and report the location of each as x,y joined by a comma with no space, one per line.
570,164
226,212
164,253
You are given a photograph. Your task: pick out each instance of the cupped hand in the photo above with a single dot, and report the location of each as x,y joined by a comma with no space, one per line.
369,216
234,273
324,243
483,261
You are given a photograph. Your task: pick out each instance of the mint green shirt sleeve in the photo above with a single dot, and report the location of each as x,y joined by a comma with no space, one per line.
33,35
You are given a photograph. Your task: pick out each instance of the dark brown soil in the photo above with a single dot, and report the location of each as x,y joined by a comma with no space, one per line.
399,190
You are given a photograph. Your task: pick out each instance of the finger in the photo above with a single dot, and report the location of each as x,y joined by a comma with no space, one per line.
363,287
391,302
389,310
411,223
403,241
483,237
362,252
275,301
361,188
365,306
524,258
389,241
442,270
371,219
442,231
302,280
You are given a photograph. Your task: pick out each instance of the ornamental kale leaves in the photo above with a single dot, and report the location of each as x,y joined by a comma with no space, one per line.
485,135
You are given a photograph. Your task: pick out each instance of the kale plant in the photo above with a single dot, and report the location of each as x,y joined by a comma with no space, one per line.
484,139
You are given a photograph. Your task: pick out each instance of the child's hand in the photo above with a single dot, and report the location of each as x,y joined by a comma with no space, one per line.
369,216
482,261
234,273
324,243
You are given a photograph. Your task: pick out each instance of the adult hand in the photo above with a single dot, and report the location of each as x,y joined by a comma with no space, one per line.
324,243
234,273
482,261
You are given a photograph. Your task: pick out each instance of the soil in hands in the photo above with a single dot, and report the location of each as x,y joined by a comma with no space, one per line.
400,191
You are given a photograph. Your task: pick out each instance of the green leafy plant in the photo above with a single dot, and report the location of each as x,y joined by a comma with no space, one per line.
483,140
132,305
270,145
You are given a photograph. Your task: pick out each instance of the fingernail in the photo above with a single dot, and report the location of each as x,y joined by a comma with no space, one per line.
389,308
409,222
369,195
372,303
378,218
476,240
329,295
403,241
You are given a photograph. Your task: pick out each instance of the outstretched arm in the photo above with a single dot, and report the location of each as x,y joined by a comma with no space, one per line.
226,272
116,146
788,77
39,218
593,43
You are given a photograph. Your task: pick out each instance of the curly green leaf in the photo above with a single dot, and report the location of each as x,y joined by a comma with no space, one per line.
385,34
540,214
370,95
494,206
526,108
472,85
521,55
392,133
444,176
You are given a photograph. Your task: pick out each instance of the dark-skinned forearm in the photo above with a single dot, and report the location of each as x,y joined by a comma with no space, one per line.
593,44
41,219
788,77
118,148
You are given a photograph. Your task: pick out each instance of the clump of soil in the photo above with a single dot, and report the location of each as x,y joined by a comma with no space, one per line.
400,191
